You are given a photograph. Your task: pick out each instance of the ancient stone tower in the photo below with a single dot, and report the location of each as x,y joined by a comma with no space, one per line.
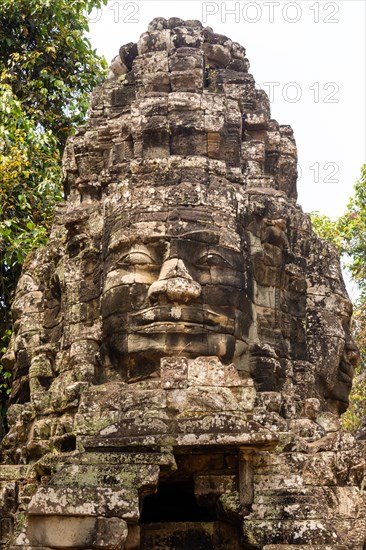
181,350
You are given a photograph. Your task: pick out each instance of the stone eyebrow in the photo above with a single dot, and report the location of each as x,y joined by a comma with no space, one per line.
211,236
133,236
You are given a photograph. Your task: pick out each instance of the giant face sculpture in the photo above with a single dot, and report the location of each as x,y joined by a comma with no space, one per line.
176,282
184,280
332,342
182,315
182,193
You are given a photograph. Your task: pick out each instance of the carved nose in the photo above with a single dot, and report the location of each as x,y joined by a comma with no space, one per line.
175,283
351,352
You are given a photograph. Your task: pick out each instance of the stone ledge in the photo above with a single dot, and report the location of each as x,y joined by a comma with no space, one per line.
260,441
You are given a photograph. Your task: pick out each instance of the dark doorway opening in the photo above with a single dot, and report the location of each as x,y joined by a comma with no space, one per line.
175,502
172,519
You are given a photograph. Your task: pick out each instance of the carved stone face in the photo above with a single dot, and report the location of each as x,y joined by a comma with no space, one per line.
338,385
332,350
174,284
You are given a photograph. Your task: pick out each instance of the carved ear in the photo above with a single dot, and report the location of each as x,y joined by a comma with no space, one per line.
8,359
104,365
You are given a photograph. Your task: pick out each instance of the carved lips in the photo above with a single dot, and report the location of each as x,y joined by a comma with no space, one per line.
180,319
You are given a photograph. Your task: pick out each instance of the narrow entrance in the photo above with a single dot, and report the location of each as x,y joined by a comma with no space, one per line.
174,519
175,502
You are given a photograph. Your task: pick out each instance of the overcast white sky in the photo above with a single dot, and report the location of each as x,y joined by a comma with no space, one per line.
310,55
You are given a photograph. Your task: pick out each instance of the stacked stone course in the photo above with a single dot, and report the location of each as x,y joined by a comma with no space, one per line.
181,351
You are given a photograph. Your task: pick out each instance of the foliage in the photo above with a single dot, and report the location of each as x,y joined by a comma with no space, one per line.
328,229
352,226
47,60
348,233
4,378
355,416
30,186
47,71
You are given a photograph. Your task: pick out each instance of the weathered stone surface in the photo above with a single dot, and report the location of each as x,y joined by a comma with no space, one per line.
77,532
183,535
85,501
182,350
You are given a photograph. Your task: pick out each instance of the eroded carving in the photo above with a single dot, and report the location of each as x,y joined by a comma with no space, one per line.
184,329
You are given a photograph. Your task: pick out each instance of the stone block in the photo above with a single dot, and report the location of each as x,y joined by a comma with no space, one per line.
16,472
306,428
154,41
245,397
214,148
233,379
216,55
85,502
208,488
184,101
185,59
111,533
174,372
214,123
187,119
122,96
256,121
187,81
218,535
308,503
253,150
321,469
266,297
184,143
349,502
149,106
186,38
329,422
106,475
152,83
206,371
77,532
151,62
202,398
307,532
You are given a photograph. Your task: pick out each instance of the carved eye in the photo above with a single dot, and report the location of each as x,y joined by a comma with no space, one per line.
136,257
214,259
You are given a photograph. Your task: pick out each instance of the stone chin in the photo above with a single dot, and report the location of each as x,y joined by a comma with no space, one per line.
337,393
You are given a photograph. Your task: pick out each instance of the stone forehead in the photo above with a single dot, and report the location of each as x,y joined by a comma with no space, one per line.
211,225
216,193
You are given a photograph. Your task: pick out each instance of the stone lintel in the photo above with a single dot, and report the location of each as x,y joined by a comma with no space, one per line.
184,442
